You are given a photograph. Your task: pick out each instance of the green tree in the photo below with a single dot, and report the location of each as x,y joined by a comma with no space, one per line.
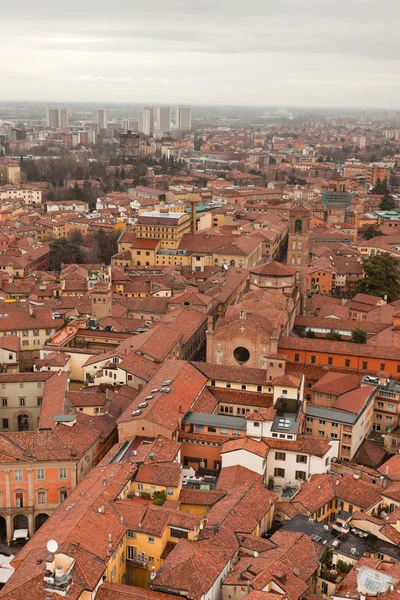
344,567
359,336
334,335
381,187
310,334
370,232
159,498
387,203
77,192
381,277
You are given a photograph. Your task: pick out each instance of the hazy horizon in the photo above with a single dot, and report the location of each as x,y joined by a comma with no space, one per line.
335,53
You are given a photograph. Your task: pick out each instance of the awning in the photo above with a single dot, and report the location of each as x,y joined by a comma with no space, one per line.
20,534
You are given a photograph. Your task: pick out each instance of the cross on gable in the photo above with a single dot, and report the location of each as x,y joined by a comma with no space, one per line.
243,329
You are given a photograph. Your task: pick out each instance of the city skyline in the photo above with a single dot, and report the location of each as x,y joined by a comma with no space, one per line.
258,54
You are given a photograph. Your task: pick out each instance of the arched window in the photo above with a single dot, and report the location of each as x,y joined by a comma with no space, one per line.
298,226
232,263
243,314
284,392
280,365
218,357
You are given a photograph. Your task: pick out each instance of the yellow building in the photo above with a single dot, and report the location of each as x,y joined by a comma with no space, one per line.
167,227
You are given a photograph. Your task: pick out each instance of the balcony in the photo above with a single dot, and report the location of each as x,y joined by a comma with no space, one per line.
387,394
137,562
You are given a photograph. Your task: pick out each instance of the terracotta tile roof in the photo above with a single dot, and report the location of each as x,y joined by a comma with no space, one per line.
262,414
370,454
230,477
111,591
86,398
355,400
206,403
53,399
168,409
393,491
242,508
391,468
138,365
305,444
357,492
287,381
342,348
274,269
53,359
200,497
336,383
247,444
168,475
232,374
10,342
191,569
18,318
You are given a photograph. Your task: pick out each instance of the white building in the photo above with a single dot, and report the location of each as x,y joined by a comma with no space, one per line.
163,119
130,124
102,118
146,120
183,118
274,446
28,195
78,206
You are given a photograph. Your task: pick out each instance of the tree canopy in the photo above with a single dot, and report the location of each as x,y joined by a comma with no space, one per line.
370,232
381,187
387,203
381,277
63,251
359,336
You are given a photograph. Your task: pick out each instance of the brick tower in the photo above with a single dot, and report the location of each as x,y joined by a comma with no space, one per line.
298,245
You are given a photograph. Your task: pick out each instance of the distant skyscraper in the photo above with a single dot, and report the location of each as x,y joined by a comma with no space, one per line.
57,118
52,118
183,120
130,124
146,120
102,118
62,117
163,118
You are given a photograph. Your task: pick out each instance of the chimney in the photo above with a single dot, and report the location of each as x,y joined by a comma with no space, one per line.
280,576
50,563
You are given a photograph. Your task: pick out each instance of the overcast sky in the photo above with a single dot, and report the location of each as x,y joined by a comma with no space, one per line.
262,52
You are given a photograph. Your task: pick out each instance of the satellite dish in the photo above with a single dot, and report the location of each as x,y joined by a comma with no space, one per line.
52,546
